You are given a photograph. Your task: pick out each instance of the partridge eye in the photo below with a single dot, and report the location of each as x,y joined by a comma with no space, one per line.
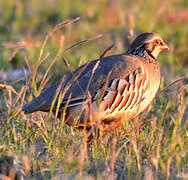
157,42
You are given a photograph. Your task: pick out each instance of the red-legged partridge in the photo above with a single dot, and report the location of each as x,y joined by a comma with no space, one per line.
107,91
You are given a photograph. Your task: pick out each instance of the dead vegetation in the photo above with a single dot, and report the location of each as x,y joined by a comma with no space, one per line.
40,146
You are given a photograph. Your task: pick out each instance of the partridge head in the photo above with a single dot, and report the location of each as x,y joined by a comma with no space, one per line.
151,43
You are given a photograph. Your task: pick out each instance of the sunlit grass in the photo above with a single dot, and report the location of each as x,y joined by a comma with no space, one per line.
152,146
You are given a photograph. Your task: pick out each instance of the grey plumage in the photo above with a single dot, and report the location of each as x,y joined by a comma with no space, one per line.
115,64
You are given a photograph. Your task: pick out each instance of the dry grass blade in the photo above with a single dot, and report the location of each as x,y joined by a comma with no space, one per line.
20,45
67,22
106,51
93,72
64,109
66,88
144,124
27,63
169,85
10,88
64,23
56,97
12,56
59,100
38,64
105,86
76,44
90,103
50,66
66,62
18,96
78,75
69,67
136,149
182,89
36,67
44,84
84,41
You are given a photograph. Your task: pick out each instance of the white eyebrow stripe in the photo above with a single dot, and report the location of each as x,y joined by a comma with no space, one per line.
154,39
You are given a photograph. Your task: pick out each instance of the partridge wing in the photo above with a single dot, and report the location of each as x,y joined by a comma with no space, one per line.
89,78
123,94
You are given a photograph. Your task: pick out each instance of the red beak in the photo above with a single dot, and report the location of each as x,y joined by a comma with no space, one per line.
165,47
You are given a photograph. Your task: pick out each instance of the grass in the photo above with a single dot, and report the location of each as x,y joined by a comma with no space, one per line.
38,146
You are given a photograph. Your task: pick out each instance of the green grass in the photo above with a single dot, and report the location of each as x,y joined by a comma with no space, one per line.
152,146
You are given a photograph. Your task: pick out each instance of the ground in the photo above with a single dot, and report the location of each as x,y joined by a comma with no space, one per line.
34,39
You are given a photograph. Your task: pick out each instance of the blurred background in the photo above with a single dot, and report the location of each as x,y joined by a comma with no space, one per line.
24,25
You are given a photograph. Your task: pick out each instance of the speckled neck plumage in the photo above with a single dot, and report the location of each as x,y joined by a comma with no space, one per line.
138,52
148,57
141,52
